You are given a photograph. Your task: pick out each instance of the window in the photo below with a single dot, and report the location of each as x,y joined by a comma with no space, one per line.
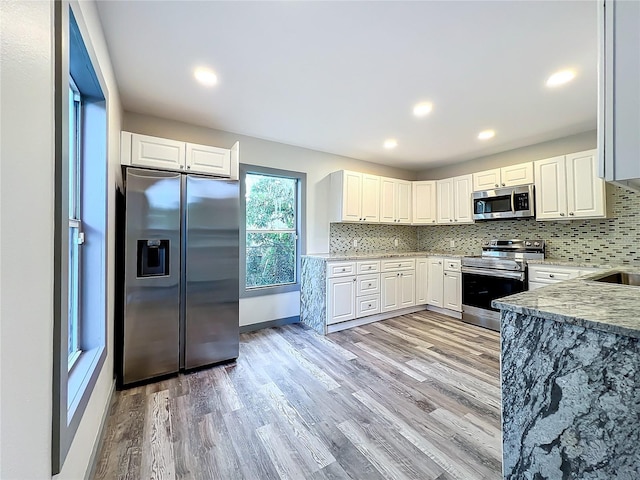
75,224
272,203
80,318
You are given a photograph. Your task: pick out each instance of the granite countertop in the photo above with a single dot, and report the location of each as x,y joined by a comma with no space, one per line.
568,263
598,305
384,254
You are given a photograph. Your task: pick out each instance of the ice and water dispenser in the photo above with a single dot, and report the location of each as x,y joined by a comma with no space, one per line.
153,258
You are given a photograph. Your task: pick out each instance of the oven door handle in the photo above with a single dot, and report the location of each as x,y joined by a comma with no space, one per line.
494,273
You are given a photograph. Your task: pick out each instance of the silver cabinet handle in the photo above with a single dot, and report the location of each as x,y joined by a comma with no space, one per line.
504,184
354,279
181,167
456,220
451,219
369,284
439,263
562,214
445,274
551,275
433,221
570,213
344,269
369,305
497,185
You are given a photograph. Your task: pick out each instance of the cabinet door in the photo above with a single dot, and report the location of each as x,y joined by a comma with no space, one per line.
434,281
445,204
210,160
341,299
388,188
370,201
389,291
407,289
351,196
157,152
585,191
452,291
462,199
521,174
422,275
403,201
487,180
551,189
424,203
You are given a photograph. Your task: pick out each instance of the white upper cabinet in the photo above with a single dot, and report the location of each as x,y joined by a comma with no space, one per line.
585,191
205,159
487,180
355,197
164,154
463,206
444,201
567,187
454,203
551,189
424,203
395,201
521,174
157,152
618,92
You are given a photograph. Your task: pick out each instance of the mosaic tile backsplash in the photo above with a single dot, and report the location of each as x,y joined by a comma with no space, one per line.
615,240
371,238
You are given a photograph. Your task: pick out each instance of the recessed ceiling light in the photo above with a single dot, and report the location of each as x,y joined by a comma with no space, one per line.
560,78
486,134
390,143
205,76
422,109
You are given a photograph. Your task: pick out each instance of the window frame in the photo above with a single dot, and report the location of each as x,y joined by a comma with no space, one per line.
301,178
72,388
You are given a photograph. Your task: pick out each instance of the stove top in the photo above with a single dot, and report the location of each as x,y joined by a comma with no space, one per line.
506,254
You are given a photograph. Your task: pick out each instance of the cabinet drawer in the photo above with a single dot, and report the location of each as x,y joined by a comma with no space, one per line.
452,264
397,264
368,305
340,269
367,284
544,274
368,267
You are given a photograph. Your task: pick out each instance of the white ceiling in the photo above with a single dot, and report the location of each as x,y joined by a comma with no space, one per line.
341,77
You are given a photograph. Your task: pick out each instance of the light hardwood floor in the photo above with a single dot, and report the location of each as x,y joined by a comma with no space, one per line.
413,397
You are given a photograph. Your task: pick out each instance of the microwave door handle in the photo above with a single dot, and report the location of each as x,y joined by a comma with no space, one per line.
513,201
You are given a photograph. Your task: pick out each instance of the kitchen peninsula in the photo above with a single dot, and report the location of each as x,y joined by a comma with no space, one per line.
571,381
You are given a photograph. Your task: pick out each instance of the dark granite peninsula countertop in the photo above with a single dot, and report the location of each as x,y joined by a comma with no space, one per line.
602,306
570,379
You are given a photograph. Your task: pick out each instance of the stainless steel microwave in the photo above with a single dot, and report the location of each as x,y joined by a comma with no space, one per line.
501,203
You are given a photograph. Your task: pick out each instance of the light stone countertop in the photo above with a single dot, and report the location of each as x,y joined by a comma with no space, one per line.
602,306
568,263
332,257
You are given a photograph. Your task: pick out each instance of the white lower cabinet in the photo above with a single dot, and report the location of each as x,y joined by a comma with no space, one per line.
422,275
389,292
452,291
542,275
444,284
341,296
407,289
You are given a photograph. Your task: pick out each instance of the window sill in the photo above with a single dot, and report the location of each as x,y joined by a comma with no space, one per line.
263,291
82,378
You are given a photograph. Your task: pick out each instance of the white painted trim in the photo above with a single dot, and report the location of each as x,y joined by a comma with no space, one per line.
336,327
445,311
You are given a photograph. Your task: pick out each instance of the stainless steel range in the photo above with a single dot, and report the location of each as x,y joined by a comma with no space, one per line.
500,271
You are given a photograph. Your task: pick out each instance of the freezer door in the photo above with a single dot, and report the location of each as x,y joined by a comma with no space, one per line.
152,275
211,270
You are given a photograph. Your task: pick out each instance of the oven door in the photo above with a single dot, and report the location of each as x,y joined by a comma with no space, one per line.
480,286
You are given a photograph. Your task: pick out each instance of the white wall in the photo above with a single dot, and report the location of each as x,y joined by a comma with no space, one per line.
255,151
26,239
538,151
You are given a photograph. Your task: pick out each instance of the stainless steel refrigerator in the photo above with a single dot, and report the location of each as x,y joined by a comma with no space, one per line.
181,273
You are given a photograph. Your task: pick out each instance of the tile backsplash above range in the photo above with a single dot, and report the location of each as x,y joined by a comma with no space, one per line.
615,240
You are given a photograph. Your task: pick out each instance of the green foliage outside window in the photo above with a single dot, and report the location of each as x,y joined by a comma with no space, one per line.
271,230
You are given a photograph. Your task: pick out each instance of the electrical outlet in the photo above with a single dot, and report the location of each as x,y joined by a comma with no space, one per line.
395,242
355,243
452,243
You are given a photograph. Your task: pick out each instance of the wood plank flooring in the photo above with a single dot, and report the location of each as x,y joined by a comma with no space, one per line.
413,397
